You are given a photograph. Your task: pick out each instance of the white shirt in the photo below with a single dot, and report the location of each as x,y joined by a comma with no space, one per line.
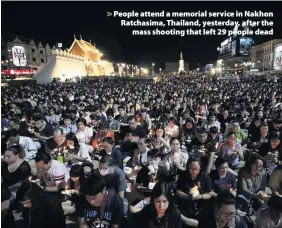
84,152
57,172
84,136
29,147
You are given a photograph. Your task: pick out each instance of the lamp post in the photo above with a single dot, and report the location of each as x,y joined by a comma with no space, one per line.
153,70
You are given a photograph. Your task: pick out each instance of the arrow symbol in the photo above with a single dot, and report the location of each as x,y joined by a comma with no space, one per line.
109,14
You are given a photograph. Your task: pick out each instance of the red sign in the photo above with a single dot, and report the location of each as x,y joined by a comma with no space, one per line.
18,72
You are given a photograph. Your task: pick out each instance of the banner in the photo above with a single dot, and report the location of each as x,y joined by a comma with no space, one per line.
19,56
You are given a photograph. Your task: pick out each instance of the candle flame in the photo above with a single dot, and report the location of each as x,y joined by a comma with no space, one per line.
66,188
30,178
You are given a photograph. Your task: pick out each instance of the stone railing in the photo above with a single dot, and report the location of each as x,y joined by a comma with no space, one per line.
60,54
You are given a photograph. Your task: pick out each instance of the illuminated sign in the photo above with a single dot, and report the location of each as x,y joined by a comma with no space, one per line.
233,51
277,63
245,46
19,56
226,42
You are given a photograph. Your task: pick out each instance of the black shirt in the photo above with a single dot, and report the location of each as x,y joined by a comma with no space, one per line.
147,218
138,132
185,183
113,210
7,219
47,131
117,156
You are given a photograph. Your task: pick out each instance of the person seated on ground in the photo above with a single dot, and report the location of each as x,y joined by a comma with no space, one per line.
239,133
275,181
140,154
172,129
145,121
271,150
21,127
108,148
223,214
188,131
222,179
160,142
14,169
52,118
68,125
194,189
224,120
36,210
261,138
25,142
252,181
173,163
83,133
77,152
160,212
99,205
53,173
95,124
270,214
211,122
57,143
113,125
42,131
232,152
114,176
217,137
203,147
254,129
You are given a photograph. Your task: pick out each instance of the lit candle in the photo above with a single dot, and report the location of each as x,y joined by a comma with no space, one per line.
30,178
65,151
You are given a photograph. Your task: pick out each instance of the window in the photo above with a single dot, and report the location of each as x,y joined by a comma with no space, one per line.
34,59
41,52
42,60
32,50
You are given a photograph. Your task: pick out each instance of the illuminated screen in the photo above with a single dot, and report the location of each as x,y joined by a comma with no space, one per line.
245,46
19,56
277,63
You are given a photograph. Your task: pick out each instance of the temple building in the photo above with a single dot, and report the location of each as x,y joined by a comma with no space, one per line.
81,59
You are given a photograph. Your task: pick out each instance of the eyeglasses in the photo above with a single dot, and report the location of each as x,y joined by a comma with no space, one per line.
258,166
228,215
104,168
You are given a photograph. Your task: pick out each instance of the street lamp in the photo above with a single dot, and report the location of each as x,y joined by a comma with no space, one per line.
153,70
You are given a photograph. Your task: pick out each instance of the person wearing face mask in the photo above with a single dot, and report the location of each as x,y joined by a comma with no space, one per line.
224,119
99,205
83,133
204,147
258,139
114,176
223,214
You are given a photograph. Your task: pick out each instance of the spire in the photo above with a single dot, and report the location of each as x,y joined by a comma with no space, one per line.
90,41
74,36
80,37
181,56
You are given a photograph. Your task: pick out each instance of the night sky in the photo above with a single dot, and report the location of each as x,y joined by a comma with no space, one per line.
58,21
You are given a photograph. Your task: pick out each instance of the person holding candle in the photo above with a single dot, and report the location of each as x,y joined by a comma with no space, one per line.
75,152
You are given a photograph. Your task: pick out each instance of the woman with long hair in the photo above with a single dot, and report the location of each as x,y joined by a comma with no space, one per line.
160,213
15,169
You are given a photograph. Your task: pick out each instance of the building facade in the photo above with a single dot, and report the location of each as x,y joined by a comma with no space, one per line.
23,53
262,55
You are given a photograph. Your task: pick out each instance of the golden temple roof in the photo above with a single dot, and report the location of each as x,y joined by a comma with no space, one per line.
84,45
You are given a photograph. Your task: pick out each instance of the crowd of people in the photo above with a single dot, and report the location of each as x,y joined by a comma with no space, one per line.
183,151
